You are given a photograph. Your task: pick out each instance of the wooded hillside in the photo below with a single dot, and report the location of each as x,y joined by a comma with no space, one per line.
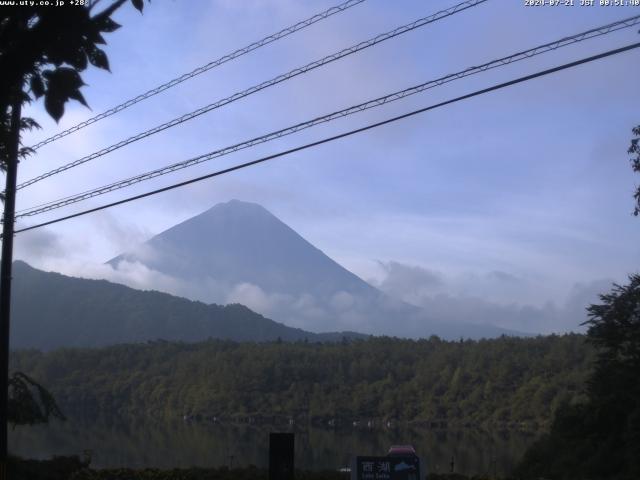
506,381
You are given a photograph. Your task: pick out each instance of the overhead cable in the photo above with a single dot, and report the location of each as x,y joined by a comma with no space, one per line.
204,68
261,86
61,202
339,136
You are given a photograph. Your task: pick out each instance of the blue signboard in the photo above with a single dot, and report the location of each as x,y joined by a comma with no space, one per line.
387,468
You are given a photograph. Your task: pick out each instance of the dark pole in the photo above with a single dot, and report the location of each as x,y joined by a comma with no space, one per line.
5,276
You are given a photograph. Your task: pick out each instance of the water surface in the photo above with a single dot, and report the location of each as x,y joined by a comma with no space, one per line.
147,443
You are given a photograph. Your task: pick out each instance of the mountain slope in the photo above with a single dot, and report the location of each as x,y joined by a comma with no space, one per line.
238,242
50,310
240,252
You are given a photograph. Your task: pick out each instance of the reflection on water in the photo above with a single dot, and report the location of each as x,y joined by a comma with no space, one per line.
146,443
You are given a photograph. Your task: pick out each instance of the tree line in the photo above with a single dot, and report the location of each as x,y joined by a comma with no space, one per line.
517,382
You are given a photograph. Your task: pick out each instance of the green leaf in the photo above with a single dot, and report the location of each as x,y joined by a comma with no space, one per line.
24,152
108,25
28,123
138,4
62,84
77,95
65,78
77,59
54,106
99,59
94,36
29,402
37,85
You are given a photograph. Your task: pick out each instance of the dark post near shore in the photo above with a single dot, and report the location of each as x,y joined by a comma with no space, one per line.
5,277
281,456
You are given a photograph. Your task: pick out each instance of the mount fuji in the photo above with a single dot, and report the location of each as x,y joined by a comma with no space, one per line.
238,252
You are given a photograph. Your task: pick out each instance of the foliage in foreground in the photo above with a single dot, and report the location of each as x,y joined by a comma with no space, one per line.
43,52
58,468
29,402
72,468
225,474
600,438
499,382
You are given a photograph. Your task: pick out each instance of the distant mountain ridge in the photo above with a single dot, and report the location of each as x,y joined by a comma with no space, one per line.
50,310
240,252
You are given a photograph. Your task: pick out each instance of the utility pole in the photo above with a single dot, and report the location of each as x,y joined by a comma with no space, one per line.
5,275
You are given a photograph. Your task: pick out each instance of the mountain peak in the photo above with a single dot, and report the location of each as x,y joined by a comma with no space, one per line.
235,203
237,206
239,252
238,243
221,213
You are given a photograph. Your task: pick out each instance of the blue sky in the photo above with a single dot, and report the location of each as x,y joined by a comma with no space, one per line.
518,197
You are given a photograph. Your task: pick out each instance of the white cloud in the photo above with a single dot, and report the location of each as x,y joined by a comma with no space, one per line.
38,244
251,296
137,275
409,282
120,234
342,301
479,298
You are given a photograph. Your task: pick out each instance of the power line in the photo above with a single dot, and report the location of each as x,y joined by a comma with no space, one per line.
599,31
256,88
342,135
204,68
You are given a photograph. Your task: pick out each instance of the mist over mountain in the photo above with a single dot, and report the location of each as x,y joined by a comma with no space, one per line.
238,252
50,310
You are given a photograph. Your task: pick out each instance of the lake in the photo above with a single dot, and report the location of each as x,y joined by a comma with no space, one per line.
148,443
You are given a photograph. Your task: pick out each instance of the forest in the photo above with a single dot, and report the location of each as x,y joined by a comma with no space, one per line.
504,382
